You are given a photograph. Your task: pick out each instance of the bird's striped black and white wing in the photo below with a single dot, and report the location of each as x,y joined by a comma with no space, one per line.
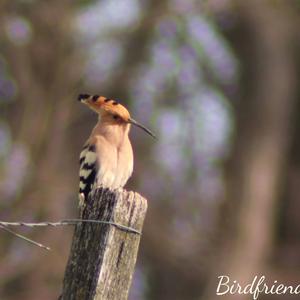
89,167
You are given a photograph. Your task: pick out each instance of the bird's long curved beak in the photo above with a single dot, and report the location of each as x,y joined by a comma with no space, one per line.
131,121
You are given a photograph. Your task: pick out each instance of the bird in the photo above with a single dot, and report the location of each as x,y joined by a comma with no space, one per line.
106,159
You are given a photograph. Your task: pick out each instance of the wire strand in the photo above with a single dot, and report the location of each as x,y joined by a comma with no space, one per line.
68,222
24,238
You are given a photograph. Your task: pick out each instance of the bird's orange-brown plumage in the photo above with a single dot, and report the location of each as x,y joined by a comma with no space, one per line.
107,158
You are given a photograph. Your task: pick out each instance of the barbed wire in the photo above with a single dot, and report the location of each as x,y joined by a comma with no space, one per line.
5,226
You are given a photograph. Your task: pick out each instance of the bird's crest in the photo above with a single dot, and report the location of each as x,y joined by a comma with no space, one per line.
111,106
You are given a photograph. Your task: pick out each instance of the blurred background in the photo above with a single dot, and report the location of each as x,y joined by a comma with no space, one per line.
216,80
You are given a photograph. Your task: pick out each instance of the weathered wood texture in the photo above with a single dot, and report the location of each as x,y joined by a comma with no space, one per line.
103,256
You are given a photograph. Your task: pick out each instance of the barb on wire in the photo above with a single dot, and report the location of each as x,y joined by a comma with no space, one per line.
4,227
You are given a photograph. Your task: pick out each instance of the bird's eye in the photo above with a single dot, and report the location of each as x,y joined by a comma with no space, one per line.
95,98
116,117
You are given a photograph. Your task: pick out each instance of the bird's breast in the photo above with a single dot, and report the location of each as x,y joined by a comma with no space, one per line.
124,163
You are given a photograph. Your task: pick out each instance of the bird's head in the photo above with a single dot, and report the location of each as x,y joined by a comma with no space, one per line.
110,110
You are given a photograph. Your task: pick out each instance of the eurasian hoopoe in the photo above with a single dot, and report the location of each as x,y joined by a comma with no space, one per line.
106,158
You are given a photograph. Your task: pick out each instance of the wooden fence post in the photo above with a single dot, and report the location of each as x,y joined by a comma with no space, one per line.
103,256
